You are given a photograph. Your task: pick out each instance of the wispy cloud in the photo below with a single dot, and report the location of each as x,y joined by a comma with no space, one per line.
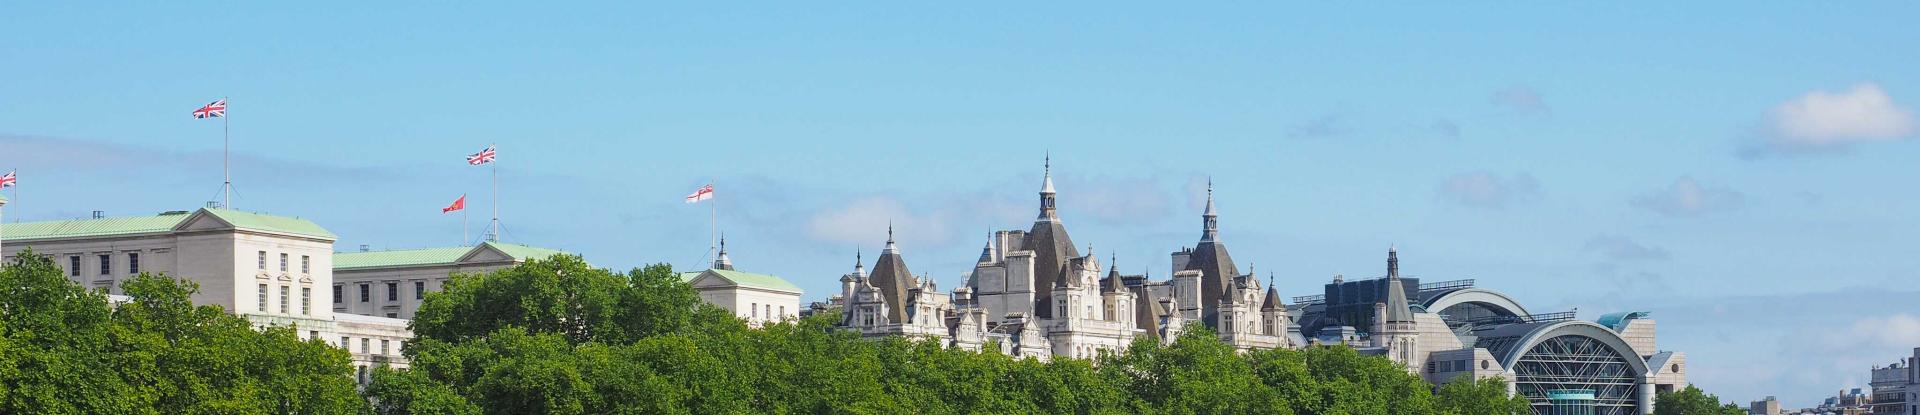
1621,248
1521,99
1325,126
1832,120
1487,190
1687,197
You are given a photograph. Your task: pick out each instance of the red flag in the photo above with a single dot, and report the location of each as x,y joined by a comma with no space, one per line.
458,204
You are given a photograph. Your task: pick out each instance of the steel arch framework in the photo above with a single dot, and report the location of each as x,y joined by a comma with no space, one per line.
1572,361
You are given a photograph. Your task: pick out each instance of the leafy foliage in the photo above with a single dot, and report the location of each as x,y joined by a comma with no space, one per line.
558,336
65,350
1693,401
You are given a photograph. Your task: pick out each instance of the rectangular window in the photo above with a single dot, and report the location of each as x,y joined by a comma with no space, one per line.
106,265
283,299
383,347
365,293
345,345
263,298
754,308
337,298
783,311
74,265
393,291
283,262
313,335
364,348
133,263
306,264
419,290
393,315
306,301
263,260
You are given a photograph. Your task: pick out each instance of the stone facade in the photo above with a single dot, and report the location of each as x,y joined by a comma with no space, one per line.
273,270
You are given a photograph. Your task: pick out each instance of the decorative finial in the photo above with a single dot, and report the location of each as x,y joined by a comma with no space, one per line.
889,230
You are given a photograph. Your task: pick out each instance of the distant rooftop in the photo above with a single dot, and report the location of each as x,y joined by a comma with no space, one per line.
746,279
157,224
433,256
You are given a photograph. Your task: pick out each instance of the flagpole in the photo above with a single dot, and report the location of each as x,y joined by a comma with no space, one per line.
226,168
494,235
464,241
713,223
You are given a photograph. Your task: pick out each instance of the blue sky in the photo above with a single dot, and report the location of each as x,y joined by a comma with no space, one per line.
1739,169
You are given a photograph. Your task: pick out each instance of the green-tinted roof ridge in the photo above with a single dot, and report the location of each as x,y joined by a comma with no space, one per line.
746,279
271,223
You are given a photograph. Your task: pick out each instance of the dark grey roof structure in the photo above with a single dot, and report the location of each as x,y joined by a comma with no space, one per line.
1397,309
891,277
1210,257
1051,246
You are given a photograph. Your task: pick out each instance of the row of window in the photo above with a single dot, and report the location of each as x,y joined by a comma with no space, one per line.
755,308
366,345
393,292
306,299
106,264
306,262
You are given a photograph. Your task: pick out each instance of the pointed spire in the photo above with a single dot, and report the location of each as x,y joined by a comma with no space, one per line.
721,261
1046,191
986,253
1397,309
1210,220
891,248
1393,262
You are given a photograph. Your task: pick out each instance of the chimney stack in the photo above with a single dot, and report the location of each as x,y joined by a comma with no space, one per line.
365,248
99,214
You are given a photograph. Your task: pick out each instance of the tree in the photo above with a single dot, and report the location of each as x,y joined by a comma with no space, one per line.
563,295
1468,396
69,351
1693,401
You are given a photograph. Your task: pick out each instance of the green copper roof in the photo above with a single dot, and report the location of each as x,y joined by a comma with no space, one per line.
264,222
432,256
134,225
162,223
746,279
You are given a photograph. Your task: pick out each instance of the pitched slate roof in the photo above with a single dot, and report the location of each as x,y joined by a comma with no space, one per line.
891,277
1272,302
1052,249
162,223
746,279
432,256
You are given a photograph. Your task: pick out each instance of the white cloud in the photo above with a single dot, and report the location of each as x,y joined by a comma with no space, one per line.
1686,197
1621,248
1521,99
865,221
1826,120
1487,190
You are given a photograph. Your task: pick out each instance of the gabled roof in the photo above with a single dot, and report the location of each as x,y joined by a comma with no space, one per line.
744,279
436,256
264,222
164,223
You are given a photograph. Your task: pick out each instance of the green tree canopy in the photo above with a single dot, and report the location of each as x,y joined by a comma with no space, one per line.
64,349
527,340
1693,401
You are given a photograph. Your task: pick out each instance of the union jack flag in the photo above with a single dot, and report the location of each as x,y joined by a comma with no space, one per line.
213,109
8,180
482,157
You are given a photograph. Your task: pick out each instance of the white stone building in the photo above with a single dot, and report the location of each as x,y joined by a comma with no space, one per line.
273,270
757,298
392,283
